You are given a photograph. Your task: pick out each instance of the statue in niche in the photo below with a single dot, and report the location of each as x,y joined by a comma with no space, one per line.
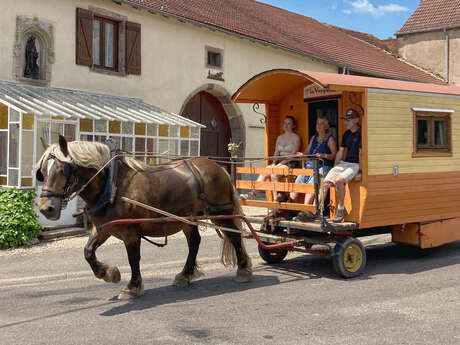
31,69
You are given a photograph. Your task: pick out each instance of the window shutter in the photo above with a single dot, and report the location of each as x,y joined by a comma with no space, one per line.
133,48
84,40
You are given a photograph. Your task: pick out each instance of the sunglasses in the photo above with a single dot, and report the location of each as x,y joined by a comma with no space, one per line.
347,118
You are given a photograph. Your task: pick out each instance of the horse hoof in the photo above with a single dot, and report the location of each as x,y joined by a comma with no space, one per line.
112,275
242,279
129,294
181,280
243,275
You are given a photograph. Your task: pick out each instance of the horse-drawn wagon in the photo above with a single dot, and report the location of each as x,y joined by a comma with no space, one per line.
410,162
409,186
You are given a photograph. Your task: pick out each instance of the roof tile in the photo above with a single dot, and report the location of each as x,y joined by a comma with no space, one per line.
433,14
295,32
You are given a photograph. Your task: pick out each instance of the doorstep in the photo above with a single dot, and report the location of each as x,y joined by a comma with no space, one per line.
58,233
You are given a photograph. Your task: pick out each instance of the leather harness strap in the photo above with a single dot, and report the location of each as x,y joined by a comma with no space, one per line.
209,208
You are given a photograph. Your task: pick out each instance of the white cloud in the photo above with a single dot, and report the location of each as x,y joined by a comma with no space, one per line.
365,6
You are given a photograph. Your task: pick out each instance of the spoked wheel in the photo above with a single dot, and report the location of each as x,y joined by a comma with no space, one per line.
349,257
272,256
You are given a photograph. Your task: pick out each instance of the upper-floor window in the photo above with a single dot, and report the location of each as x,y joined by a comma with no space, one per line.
432,131
214,58
107,42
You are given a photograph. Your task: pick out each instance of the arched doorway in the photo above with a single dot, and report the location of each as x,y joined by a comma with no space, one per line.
207,110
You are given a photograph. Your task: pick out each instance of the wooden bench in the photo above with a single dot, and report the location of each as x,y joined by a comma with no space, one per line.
270,187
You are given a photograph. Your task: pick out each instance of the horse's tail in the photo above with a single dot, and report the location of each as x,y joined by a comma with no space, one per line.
229,257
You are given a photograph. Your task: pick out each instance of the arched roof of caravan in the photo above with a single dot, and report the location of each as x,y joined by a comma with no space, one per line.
273,85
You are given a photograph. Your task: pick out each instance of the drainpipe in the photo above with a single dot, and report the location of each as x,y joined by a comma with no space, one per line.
446,36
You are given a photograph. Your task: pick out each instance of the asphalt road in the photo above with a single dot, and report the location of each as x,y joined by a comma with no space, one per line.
404,297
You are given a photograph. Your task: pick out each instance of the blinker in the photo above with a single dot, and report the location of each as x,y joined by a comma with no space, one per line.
39,176
67,170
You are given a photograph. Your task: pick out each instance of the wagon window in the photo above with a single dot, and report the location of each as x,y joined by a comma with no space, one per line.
432,133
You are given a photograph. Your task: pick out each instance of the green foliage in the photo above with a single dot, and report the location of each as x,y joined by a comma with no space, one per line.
18,220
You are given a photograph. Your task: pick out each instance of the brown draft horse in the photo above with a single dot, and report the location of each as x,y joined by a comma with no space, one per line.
172,187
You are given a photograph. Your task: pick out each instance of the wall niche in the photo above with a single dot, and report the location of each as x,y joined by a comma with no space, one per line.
33,53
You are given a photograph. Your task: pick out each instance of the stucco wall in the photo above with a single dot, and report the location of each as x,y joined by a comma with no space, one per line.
172,58
428,50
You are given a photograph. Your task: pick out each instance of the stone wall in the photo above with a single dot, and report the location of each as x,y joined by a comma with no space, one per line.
428,50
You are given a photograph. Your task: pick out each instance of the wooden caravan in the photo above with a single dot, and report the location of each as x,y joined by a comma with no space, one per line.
410,182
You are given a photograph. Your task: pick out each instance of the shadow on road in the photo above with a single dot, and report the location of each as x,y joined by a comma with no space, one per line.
382,259
202,288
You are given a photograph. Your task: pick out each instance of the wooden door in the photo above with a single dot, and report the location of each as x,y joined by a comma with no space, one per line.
207,110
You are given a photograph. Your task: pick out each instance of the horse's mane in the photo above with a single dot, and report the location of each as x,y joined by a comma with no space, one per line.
90,155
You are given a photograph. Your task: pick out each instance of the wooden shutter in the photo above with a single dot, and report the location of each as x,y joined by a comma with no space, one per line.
133,48
84,40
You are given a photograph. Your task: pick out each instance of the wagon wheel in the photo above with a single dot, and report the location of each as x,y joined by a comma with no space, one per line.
272,256
349,257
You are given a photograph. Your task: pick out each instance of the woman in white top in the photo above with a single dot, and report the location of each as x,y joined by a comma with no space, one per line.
287,144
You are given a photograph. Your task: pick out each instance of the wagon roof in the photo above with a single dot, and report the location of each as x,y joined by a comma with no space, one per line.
274,85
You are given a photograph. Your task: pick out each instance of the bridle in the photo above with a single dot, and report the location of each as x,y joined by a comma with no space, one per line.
68,170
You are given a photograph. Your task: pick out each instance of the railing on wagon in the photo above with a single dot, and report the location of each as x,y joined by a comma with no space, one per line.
286,187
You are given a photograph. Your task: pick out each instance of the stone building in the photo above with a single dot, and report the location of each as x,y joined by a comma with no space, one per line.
431,38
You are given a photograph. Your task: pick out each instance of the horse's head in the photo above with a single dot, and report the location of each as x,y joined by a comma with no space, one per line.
57,171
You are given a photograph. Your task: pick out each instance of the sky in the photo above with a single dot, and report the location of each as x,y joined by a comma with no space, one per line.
381,18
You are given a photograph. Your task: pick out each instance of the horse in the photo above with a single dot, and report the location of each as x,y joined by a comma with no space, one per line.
184,187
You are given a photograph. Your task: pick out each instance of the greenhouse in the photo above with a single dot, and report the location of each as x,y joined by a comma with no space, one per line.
28,113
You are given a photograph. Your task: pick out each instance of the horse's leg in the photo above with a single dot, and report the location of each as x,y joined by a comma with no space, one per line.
234,251
190,270
101,270
135,287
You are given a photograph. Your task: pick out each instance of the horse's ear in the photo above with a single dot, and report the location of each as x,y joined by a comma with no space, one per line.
45,145
63,145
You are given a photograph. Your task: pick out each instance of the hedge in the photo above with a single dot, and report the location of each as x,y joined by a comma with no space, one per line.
18,220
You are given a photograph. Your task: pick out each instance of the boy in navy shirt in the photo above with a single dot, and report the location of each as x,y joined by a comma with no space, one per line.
345,170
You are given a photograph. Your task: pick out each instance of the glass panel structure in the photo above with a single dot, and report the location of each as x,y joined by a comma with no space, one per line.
194,148
3,152
27,158
43,131
13,177
57,129
14,146
100,126
184,147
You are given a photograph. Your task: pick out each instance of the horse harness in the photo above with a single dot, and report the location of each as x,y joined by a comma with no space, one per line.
68,172
209,208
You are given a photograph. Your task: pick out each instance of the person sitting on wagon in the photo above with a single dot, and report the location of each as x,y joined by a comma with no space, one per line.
322,146
345,170
287,144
